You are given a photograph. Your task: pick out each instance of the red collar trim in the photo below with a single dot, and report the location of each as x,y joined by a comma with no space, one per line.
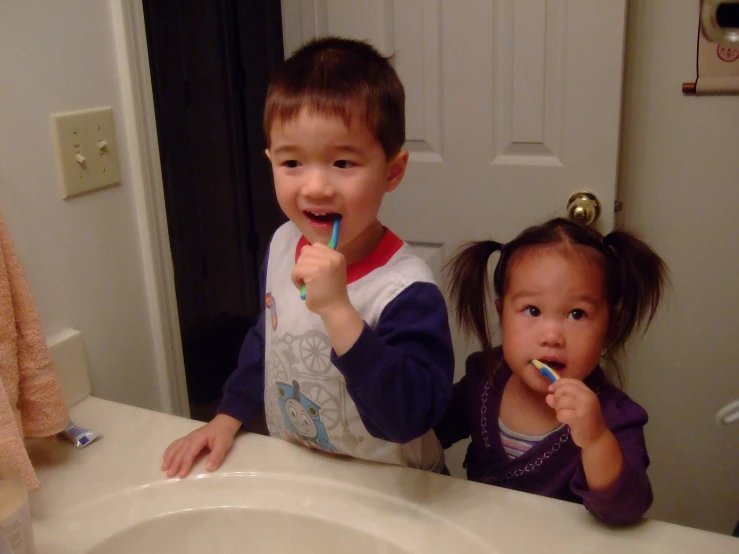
386,249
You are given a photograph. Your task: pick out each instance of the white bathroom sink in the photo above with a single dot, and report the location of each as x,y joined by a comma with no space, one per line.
230,513
273,496
242,530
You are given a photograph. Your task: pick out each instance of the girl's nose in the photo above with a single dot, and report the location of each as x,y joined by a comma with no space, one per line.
317,185
552,335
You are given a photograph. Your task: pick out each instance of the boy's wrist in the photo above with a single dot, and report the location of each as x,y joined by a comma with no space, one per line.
344,325
227,422
337,312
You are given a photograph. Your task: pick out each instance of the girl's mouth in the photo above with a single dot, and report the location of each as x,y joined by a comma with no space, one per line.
555,365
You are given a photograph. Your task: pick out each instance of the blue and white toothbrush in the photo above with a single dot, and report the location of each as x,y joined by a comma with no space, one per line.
545,370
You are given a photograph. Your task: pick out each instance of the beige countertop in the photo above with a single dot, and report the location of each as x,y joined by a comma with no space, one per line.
269,489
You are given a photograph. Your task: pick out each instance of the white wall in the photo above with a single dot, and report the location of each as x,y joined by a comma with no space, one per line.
82,256
679,180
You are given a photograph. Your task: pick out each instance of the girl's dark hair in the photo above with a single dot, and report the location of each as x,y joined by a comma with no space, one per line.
634,275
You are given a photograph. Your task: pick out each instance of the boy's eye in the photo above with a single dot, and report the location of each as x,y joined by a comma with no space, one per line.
577,314
291,163
532,311
344,164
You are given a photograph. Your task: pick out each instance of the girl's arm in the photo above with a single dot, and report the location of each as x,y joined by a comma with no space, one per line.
455,424
628,498
602,462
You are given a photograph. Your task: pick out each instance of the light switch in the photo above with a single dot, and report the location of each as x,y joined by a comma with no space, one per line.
85,146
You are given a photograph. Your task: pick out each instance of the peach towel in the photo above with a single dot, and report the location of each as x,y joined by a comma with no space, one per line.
31,398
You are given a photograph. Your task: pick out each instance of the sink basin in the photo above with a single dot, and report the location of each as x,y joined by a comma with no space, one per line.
243,530
230,513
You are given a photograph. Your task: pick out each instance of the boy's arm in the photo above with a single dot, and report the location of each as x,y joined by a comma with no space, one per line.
400,374
628,499
243,392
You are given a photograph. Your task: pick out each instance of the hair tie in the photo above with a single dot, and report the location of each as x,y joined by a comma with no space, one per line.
496,245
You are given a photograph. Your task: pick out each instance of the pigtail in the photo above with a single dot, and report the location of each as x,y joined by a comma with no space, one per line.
640,285
469,287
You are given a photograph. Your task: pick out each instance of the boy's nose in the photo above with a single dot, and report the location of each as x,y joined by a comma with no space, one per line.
317,185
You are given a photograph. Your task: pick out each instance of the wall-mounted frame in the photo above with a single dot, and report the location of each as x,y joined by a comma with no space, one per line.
717,57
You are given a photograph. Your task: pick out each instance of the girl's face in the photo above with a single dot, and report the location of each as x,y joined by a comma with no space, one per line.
554,310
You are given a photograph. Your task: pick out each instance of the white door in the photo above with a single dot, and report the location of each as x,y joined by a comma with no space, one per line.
512,105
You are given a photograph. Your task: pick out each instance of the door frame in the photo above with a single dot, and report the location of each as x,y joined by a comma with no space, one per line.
139,122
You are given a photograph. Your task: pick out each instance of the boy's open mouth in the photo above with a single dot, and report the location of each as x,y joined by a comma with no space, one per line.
325,217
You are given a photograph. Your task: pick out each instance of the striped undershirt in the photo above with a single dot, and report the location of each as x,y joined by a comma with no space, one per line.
515,443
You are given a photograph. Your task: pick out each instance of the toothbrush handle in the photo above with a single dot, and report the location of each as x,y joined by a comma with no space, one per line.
332,244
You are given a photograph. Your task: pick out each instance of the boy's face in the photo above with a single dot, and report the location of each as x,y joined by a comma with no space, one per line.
324,168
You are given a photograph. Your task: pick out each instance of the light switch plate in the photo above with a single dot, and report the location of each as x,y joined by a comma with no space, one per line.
86,150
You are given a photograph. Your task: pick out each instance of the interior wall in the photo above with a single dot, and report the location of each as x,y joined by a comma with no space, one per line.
678,182
82,256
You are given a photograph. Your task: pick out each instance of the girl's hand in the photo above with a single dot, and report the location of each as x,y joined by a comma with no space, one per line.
577,406
323,271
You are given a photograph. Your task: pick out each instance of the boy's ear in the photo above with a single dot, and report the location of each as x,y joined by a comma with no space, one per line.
499,308
396,170
266,153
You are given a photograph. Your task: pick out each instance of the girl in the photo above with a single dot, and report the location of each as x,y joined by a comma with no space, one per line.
567,296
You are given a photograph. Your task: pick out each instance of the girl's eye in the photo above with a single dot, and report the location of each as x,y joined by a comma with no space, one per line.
292,164
532,311
344,164
577,314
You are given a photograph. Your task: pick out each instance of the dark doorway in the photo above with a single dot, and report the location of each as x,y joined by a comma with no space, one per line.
210,64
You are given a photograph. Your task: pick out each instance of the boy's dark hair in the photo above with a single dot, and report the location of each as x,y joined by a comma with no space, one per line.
634,277
340,77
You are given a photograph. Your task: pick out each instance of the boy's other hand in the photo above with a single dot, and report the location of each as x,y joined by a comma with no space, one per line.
217,436
323,271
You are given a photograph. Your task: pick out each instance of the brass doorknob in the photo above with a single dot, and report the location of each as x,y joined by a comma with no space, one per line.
583,206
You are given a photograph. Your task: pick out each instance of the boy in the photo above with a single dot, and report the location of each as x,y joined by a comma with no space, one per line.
363,366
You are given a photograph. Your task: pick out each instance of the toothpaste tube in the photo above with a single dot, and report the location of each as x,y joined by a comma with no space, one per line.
79,436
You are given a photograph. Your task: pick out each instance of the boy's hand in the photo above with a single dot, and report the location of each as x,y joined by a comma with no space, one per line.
218,436
323,271
577,406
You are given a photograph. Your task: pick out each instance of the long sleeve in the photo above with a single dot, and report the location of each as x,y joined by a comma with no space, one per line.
454,426
243,392
631,495
400,374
